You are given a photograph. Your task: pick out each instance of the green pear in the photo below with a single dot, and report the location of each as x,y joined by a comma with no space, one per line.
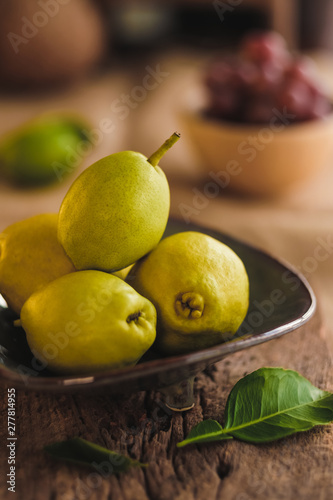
88,321
44,150
116,211
199,287
30,257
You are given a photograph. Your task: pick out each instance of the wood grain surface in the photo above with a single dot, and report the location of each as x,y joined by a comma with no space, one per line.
139,425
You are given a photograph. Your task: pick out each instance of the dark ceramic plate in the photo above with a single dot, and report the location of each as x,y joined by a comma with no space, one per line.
280,301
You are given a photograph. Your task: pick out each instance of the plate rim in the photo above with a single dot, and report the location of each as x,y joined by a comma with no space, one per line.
210,355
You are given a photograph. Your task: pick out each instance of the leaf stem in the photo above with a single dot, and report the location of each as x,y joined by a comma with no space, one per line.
205,438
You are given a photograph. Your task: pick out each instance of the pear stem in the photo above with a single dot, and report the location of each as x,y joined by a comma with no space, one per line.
155,157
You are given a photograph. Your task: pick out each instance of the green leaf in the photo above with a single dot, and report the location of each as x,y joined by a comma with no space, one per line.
272,403
84,452
204,432
268,404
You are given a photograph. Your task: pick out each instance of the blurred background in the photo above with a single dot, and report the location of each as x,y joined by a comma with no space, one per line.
124,75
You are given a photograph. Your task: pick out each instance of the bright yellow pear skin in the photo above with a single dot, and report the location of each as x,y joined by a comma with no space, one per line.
30,257
116,211
122,273
88,321
199,287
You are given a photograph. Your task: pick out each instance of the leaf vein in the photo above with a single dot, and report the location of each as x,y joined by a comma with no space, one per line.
227,430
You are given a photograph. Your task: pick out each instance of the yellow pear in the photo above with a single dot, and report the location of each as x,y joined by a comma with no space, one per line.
30,257
116,211
199,287
88,321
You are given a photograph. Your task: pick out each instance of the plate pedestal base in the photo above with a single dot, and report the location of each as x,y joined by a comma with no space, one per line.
179,397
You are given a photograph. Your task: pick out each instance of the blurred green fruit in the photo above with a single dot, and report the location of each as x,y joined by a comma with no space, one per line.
44,150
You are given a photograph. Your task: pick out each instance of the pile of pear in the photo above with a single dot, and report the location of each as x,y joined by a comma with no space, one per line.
96,286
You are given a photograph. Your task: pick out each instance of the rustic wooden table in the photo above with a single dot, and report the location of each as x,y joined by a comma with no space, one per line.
300,466
139,425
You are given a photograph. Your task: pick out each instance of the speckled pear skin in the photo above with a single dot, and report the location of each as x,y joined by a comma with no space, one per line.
200,289
30,257
88,321
114,213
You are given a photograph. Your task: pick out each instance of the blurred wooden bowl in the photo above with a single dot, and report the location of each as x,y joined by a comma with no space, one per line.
260,160
49,42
